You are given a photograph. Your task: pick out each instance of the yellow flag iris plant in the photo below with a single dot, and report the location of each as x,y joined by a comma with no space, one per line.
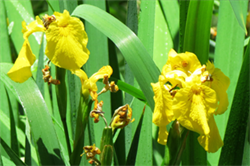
192,94
66,44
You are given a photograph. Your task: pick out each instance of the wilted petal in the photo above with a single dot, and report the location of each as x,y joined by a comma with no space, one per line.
105,70
213,141
20,71
66,42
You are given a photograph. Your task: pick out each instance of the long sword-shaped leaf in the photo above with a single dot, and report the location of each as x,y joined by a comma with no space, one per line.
232,151
197,31
236,5
145,155
143,67
13,156
42,128
228,57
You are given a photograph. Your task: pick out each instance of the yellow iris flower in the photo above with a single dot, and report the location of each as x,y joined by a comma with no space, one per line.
66,44
190,93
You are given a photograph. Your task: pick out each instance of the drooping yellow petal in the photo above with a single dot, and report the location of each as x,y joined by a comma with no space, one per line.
66,42
162,135
34,26
193,106
163,113
220,83
213,141
20,71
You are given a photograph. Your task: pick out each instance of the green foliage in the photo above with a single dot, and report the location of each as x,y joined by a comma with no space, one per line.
43,124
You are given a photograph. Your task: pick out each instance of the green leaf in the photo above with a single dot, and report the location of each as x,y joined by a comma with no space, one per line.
162,38
239,14
31,157
13,156
197,31
171,11
18,11
4,37
145,155
183,19
232,151
130,46
40,120
82,121
228,58
5,121
246,154
123,143
55,6
131,159
68,5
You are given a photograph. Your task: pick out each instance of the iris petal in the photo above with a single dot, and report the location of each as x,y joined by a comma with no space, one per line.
20,71
66,42
213,141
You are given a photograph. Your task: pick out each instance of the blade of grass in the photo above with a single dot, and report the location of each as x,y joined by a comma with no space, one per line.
31,99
